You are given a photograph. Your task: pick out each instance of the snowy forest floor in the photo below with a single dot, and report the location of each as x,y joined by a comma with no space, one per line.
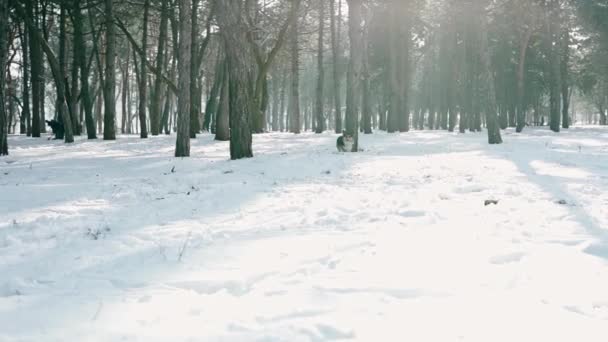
119,241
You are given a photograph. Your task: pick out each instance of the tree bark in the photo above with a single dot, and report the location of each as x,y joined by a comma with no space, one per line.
155,110
488,88
355,67
182,145
335,39
294,103
222,126
565,88
234,31
3,56
36,72
26,123
320,117
109,86
195,91
521,106
212,101
143,87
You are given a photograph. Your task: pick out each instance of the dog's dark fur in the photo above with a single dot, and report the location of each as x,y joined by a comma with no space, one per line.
57,128
345,142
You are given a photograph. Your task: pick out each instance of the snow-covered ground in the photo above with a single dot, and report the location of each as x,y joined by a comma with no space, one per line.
119,241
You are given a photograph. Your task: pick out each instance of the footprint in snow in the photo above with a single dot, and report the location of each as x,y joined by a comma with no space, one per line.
507,258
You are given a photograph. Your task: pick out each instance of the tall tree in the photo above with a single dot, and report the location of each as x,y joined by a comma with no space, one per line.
155,108
335,43
109,86
143,79
355,70
233,30
36,72
319,115
488,90
294,102
182,145
4,11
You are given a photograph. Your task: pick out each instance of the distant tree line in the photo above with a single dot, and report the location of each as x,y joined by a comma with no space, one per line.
240,67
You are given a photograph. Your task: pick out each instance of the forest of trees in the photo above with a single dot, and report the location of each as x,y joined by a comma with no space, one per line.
240,67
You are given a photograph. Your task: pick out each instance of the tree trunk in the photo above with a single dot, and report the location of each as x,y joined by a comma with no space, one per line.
109,86
222,126
521,106
234,31
294,103
395,76
195,91
552,45
216,88
3,56
488,88
182,145
143,87
565,75
125,93
282,123
335,48
320,117
355,67
155,110
36,72
26,123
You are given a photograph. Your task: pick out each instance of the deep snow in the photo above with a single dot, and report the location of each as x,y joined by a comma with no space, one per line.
119,241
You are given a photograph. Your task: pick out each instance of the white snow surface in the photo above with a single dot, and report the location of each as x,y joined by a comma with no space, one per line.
119,241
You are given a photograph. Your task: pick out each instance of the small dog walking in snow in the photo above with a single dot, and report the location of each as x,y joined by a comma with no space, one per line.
345,142
58,129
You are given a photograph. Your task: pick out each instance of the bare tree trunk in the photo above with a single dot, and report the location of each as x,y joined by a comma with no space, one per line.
143,87
564,69
552,46
294,103
155,110
366,105
489,92
3,56
125,93
26,124
320,117
282,123
234,31
521,110
216,88
195,91
276,89
394,70
222,126
355,67
109,87
74,92
36,72
335,39
182,145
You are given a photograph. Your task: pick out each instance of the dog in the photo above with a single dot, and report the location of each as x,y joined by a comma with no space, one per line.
57,128
345,142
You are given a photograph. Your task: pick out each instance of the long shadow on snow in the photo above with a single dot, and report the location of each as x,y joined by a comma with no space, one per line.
554,184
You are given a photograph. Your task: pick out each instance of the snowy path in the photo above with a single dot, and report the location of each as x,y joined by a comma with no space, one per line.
101,241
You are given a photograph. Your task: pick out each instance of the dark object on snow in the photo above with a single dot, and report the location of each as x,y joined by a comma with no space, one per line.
345,142
57,128
562,202
488,202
